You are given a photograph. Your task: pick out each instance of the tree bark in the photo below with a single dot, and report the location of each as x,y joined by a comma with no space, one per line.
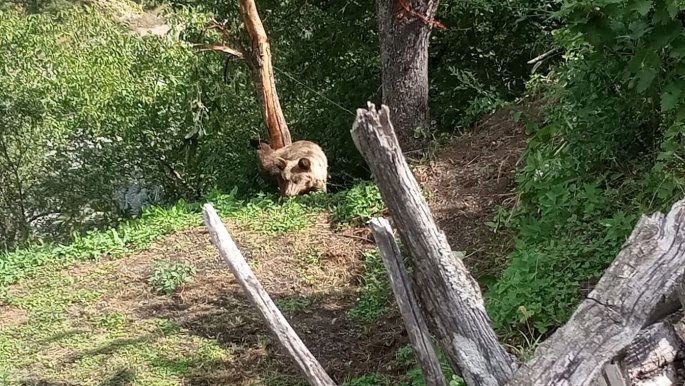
448,294
405,28
279,135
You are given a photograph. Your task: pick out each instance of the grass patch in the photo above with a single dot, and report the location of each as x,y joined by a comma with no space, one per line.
311,256
270,218
358,204
69,334
368,380
67,338
293,304
128,237
375,298
265,213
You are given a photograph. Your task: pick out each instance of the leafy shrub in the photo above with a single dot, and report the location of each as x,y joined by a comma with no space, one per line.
104,122
480,60
359,204
167,276
611,148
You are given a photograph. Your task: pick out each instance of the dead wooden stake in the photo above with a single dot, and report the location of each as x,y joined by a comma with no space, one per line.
310,367
448,292
409,308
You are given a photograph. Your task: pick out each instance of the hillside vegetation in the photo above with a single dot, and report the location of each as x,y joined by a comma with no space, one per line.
110,142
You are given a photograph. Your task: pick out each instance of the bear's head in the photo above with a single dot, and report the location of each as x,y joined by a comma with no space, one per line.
299,178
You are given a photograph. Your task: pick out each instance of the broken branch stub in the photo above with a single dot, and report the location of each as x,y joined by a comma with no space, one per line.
635,288
409,308
449,294
260,299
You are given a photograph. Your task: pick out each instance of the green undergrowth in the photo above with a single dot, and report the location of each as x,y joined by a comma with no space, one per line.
610,149
264,213
405,357
64,326
375,298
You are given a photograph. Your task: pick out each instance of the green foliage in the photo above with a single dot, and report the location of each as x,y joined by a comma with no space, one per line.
167,276
113,321
102,122
105,122
293,304
128,236
367,380
359,204
375,298
269,217
405,357
481,59
610,149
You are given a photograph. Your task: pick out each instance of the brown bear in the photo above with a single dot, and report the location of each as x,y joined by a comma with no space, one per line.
302,166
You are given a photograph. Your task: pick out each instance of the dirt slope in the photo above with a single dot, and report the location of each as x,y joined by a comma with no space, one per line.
314,274
468,180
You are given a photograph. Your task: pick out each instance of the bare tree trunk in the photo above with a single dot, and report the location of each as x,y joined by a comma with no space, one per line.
405,27
279,135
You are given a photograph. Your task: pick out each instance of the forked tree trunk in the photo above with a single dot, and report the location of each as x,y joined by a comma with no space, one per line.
405,28
279,135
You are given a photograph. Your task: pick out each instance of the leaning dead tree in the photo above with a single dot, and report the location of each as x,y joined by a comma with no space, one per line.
417,329
258,59
629,331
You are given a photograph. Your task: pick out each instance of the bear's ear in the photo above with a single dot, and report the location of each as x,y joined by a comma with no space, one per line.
281,163
305,163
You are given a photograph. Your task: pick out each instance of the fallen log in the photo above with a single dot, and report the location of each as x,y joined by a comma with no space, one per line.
637,286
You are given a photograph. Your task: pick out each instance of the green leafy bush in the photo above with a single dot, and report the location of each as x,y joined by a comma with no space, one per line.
480,60
102,122
610,149
359,204
167,276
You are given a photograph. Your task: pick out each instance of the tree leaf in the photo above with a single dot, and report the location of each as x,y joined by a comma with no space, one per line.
642,7
670,96
645,79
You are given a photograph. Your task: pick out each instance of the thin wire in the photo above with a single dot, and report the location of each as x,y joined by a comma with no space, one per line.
314,91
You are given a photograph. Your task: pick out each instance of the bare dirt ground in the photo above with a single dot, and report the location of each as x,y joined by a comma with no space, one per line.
468,179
